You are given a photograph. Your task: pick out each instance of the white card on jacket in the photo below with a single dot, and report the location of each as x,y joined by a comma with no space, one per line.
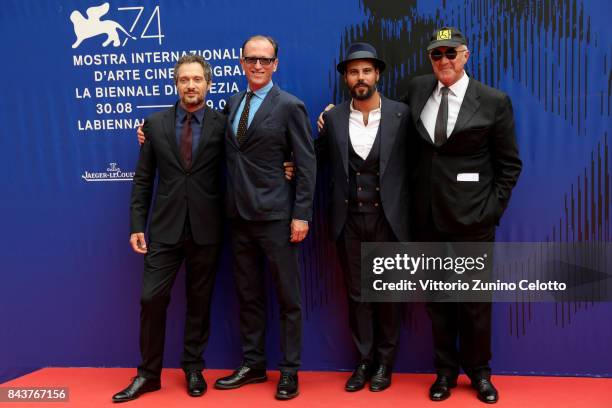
469,177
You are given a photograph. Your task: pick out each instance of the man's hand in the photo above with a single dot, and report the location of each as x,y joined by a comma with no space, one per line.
289,170
140,134
299,230
138,242
320,121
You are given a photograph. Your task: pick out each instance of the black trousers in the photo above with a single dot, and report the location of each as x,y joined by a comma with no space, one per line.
465,323
161,265
374,326
254,243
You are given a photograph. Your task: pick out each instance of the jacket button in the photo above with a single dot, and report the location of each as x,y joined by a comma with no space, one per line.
378,173
359,188
377,188
345,201
358,173
361,204
375,204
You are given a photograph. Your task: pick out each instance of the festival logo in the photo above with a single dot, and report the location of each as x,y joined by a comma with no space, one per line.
93,25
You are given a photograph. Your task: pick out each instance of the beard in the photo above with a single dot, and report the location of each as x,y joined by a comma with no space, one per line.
361,94
195,100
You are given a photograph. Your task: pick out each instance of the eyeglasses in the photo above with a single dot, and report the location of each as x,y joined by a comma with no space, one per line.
262,60
450,53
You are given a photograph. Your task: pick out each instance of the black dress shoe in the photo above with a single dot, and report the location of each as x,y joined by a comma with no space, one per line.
381,379
486,391
287,386
358,379
440,389
241,376
139,386
196,384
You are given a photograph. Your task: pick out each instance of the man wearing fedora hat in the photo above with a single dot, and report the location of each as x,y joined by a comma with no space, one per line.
365,144
467,165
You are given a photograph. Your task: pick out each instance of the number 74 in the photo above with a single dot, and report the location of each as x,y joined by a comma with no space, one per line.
154,15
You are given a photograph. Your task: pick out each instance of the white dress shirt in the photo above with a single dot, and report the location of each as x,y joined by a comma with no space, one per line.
455,98
363,136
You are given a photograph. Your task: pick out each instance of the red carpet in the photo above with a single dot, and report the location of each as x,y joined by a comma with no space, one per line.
93,387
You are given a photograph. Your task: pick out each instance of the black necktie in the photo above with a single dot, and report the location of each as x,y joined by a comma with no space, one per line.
244,119
186,141
442,119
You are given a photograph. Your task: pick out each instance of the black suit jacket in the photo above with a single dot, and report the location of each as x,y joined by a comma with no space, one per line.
256,186
197,190
395,162
484,142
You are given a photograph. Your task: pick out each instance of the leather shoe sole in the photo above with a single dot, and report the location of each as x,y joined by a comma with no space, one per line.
379,387
486,401
284,397
441,397
351,388
241,383
196,393
355,383
144,389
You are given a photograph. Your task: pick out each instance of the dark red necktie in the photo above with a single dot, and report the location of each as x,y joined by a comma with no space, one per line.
186,141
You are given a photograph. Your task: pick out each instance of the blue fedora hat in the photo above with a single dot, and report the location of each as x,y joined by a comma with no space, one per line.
361,50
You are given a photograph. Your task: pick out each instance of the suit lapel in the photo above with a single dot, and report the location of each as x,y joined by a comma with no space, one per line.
170,132
208,125
389,122
264,110
469,106
234,104
342,134
418,103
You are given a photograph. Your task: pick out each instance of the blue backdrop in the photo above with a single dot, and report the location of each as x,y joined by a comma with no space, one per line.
70,283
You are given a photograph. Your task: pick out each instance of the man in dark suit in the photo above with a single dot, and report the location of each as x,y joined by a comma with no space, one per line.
184,146
269,216
468,163
365,143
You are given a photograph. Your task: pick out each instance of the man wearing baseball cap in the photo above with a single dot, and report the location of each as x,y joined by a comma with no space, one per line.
364,142
468,163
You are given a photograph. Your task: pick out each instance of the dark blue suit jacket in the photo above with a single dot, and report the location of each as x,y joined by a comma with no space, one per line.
396,162
256,186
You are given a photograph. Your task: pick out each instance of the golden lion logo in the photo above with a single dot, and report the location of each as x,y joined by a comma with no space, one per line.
443,35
